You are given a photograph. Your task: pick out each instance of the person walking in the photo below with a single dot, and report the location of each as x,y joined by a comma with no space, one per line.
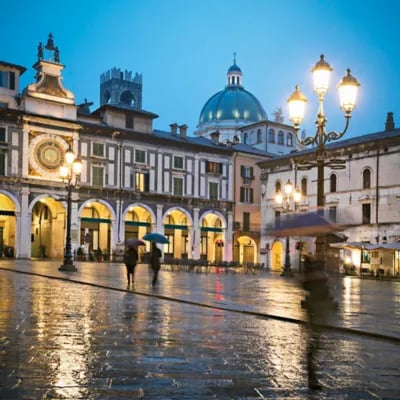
155,255
130,260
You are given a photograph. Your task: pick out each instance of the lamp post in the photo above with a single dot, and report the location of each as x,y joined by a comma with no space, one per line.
348,89
295,195
70,173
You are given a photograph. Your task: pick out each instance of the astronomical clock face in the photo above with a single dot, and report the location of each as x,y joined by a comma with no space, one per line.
47,154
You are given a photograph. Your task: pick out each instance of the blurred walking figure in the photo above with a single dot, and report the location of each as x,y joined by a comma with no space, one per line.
130,260
155,255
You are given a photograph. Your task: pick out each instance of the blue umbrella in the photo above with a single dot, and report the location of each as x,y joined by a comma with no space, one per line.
155,237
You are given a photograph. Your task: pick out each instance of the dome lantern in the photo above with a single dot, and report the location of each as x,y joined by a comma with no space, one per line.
234,75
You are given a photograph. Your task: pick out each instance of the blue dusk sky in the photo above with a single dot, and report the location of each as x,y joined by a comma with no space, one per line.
184,48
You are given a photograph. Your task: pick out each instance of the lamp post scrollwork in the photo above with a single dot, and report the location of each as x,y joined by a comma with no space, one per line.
70,174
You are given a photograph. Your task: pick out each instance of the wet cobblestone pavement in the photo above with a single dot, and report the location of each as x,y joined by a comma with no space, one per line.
83,335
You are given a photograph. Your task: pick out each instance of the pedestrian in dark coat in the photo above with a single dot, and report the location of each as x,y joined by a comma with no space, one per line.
155,255
130,260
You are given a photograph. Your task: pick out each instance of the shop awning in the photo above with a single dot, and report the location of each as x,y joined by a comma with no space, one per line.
211,229
173,226
96,220
137,223
7,213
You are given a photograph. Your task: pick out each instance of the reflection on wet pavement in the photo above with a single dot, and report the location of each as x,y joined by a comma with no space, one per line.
61,339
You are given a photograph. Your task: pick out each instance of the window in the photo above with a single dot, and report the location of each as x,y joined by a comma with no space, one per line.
178,186
98,149
259,136
365,256
2,164
7,79
129,122
245,138
140,156
281,138
142,182
178,162
271,136
332,213
98,175
289,139
366,213
304,187
214,167
332,180
246,221
2,134
213,190
278,187
247,174
246,195
366,179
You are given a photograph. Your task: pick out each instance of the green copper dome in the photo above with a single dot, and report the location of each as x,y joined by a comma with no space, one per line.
234,104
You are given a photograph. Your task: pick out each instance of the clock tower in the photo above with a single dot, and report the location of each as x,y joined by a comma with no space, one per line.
51,115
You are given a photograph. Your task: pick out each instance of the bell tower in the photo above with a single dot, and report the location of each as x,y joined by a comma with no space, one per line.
118,87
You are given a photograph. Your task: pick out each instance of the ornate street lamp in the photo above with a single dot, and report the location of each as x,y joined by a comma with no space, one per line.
348,89
69,173
291,194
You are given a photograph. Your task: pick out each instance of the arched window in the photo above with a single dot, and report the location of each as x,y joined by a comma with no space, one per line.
259,136
271,136
332,180
289,139
277,186
245,138
281,138
304,187
366,179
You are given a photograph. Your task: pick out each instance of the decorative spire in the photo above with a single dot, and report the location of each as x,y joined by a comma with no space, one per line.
50,43
234,58
52,52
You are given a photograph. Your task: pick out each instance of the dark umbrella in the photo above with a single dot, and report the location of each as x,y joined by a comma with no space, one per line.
134,242
155,237
304,224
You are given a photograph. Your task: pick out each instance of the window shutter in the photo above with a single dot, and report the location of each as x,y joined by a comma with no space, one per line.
251,196
251,173
147,182
220,168
12,81
242,195
242,171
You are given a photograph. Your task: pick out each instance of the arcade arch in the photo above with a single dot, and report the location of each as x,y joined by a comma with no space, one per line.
245,250
48,227
96,219
277,252
8,228
212,237
177,228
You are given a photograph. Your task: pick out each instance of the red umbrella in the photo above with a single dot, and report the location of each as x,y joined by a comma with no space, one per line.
134,242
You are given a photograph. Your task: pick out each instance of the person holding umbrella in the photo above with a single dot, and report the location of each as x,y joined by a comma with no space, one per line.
130,260
155,252
155,255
